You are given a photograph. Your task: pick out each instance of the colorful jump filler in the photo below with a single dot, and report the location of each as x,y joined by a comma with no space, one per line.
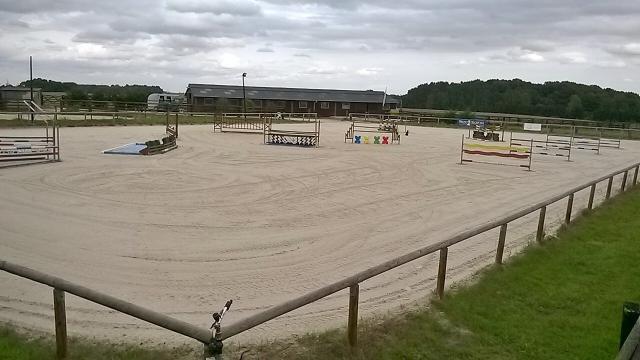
386,127
512,155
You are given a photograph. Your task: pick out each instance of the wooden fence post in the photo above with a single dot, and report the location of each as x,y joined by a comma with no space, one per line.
60,323
591,195
567,217
501,240
540,233
442,272
635,175
352,327
609,185
624,181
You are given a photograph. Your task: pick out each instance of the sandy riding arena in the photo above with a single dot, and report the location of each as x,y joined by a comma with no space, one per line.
226,217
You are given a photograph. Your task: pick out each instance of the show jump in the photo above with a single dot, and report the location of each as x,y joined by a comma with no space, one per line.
274,136
19,150
255,122
519,156
151,147
388,131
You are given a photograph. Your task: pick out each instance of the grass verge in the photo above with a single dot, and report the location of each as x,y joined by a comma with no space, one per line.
18,346
561,300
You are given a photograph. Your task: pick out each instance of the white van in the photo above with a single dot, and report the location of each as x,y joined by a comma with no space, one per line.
164,101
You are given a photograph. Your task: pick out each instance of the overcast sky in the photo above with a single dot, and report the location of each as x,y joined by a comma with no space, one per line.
351,44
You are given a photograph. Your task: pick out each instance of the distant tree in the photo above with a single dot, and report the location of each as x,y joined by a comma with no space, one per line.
562,99
574,107
126,93
77,94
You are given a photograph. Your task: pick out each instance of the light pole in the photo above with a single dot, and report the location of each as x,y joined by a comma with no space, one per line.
31,87
244,96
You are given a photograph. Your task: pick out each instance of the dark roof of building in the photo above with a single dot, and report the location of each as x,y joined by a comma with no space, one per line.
281,93
16,88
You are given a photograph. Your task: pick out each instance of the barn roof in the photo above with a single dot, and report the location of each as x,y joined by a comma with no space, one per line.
281,93
17,88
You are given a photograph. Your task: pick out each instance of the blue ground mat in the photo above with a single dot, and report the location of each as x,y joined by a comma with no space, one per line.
128,149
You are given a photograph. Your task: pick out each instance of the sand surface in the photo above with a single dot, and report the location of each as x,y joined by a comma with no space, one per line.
226,217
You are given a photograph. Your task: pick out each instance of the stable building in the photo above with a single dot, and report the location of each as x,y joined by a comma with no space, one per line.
325,102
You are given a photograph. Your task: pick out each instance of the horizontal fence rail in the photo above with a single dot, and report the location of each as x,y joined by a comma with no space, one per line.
442,246
139,312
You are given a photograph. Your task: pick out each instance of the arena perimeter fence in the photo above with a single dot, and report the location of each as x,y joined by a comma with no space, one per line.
205,336
611,136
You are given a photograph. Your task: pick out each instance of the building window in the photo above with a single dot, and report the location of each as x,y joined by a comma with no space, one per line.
324,105
208,101
161,98
302,104
346,106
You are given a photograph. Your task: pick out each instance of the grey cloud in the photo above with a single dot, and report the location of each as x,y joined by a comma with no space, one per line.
219,7
184,45
15,23
626,50
590,33
107,35
59,6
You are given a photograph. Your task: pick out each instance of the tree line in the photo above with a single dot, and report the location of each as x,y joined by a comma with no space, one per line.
120,93
555,99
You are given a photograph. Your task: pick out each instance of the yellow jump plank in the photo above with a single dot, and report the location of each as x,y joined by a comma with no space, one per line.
497,147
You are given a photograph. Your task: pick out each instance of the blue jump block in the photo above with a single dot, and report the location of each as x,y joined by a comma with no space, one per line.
128,149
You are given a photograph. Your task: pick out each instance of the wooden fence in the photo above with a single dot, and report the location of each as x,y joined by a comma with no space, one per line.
61,286
352,283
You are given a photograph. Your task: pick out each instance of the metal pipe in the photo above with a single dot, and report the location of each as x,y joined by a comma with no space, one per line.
31,85
244,96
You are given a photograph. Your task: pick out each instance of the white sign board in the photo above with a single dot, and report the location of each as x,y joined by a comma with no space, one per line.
532,127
